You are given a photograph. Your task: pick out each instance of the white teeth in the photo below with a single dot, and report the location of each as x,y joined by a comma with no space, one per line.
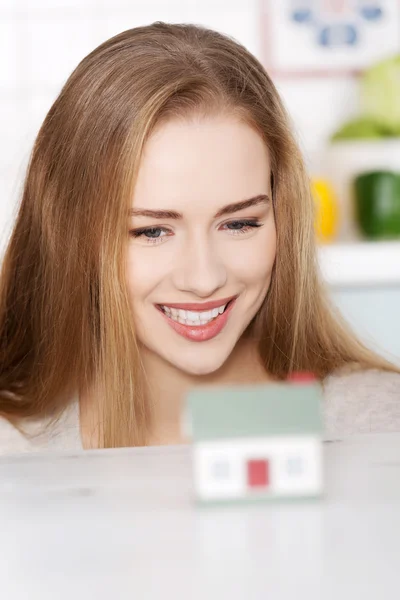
206,316
193,317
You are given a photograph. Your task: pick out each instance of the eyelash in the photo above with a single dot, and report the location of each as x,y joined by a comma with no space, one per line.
247,225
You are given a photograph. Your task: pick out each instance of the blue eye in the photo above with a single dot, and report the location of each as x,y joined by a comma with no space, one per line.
154,232
242,226
151,235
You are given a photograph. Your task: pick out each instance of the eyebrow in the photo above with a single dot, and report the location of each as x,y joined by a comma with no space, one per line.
229,209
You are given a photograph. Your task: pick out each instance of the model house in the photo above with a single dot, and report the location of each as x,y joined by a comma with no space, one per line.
261,441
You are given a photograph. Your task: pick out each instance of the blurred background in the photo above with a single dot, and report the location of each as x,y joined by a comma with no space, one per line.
336,64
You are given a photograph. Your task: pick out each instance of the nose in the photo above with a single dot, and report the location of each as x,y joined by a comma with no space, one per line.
200,269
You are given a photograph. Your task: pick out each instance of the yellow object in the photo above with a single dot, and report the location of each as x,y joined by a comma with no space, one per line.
326,210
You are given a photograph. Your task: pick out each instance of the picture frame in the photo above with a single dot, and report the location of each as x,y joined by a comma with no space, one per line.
327,37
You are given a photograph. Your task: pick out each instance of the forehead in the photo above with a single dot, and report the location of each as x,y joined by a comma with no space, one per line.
202,163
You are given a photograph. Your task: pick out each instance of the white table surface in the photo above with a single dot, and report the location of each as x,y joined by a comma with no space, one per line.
119,524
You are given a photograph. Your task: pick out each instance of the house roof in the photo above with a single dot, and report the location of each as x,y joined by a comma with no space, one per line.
257,410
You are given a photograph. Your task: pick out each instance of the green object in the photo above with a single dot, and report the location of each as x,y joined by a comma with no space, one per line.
361,129
380,94
255,411
377,199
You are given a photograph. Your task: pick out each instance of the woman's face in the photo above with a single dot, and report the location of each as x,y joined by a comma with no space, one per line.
202,240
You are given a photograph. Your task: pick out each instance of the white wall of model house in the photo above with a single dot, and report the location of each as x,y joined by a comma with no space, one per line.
245,468
41,43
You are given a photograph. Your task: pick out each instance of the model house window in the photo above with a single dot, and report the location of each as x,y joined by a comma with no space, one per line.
295,466
221,470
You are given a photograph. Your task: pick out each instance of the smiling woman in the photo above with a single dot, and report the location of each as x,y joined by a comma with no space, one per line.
165,240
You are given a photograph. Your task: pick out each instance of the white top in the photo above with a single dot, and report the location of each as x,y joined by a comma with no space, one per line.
122,524
363,402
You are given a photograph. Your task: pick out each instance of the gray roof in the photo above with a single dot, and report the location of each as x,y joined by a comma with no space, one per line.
257,410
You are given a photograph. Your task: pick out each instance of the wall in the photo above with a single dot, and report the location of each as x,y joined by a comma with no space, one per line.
373,313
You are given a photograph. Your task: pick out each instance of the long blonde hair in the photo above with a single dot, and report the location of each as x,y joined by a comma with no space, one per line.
65,318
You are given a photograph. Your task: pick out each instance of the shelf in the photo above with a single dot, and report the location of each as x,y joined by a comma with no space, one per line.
361,263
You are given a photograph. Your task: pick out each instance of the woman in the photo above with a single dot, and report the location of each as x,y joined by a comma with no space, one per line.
165,240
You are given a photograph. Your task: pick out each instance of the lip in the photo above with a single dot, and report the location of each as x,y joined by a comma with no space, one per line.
201,333
201,306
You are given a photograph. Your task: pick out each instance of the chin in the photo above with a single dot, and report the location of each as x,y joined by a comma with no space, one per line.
200,367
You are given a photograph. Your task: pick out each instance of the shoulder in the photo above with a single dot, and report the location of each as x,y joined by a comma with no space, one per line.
42,435
362,402
12,441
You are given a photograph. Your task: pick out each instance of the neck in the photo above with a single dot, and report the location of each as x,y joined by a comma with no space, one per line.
168,386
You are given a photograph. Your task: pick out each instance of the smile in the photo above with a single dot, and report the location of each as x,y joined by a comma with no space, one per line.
193,317
198,322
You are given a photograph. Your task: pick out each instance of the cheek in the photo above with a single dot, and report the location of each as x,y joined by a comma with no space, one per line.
140,276
146,270
254,260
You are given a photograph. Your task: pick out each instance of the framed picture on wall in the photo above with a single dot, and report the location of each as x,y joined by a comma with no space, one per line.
328,36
